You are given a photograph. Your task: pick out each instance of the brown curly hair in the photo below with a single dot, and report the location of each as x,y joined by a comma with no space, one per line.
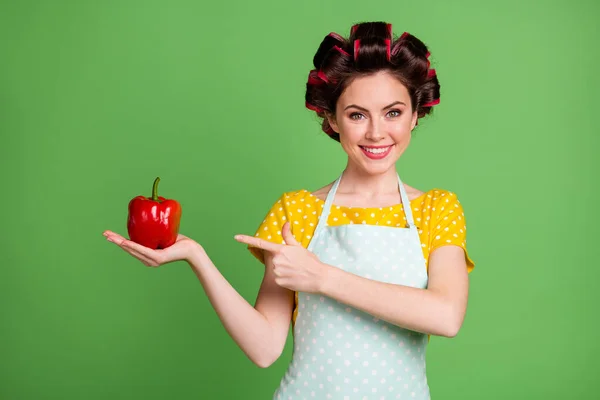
370,48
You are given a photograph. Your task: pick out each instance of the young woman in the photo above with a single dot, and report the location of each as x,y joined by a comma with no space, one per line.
365,268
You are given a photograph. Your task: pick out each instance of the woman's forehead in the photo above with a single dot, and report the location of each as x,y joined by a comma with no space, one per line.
376,91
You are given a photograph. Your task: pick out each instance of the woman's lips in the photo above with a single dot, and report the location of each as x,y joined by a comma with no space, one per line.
376,152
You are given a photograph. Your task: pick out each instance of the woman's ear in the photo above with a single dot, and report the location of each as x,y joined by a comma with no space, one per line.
332,122
414,120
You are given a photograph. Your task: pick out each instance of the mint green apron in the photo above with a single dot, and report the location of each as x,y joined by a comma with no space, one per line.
341,352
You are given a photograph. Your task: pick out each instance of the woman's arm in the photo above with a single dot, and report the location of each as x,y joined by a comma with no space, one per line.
438,310
260,331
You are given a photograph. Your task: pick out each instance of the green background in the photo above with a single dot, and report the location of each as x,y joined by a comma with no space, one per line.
99,98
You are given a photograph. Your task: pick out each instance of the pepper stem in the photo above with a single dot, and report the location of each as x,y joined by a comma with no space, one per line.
155,189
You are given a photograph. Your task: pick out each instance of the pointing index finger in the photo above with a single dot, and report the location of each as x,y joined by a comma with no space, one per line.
258,242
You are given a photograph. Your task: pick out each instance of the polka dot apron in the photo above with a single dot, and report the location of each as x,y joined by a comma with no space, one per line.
341,352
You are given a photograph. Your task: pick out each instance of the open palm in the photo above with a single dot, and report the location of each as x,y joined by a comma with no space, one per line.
180,250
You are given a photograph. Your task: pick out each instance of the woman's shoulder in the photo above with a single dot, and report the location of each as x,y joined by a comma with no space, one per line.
436,195
321,193
292,202
292,197
438,203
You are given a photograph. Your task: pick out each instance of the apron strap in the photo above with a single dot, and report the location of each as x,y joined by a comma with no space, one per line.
406,205
322,223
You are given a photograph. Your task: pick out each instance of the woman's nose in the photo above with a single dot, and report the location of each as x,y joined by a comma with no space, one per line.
375,130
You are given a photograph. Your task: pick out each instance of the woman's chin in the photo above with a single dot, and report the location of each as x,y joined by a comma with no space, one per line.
377,167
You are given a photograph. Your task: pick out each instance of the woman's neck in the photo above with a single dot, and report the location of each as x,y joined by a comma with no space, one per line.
356,181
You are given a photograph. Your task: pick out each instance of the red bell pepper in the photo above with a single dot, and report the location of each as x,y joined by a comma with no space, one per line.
153,221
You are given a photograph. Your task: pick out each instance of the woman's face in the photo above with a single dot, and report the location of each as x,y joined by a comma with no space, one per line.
374,120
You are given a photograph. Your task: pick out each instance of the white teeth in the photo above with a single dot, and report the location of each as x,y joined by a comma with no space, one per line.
377,151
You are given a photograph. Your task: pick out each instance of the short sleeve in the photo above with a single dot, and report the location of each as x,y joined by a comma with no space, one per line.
299,208
270,228
450,227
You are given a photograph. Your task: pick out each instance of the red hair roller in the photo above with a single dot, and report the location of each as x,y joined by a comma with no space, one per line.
388,52
336,37
314,108
397,46
356,47
432,103
341,50
322,76
313,78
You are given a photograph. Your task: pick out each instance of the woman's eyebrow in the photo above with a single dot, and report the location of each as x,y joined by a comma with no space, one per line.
364,109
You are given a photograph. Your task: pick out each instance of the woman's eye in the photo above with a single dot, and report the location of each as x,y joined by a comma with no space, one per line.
358,116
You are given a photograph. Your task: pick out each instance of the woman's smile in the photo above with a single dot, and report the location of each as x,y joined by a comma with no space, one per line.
376,152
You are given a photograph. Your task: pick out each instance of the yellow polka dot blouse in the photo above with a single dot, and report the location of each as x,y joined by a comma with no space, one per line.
437,213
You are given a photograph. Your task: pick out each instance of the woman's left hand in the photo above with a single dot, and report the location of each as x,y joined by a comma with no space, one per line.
295,267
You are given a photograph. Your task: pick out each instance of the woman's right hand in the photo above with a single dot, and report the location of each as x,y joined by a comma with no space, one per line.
182,249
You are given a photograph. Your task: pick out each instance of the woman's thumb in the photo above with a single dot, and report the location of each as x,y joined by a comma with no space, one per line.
288,236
